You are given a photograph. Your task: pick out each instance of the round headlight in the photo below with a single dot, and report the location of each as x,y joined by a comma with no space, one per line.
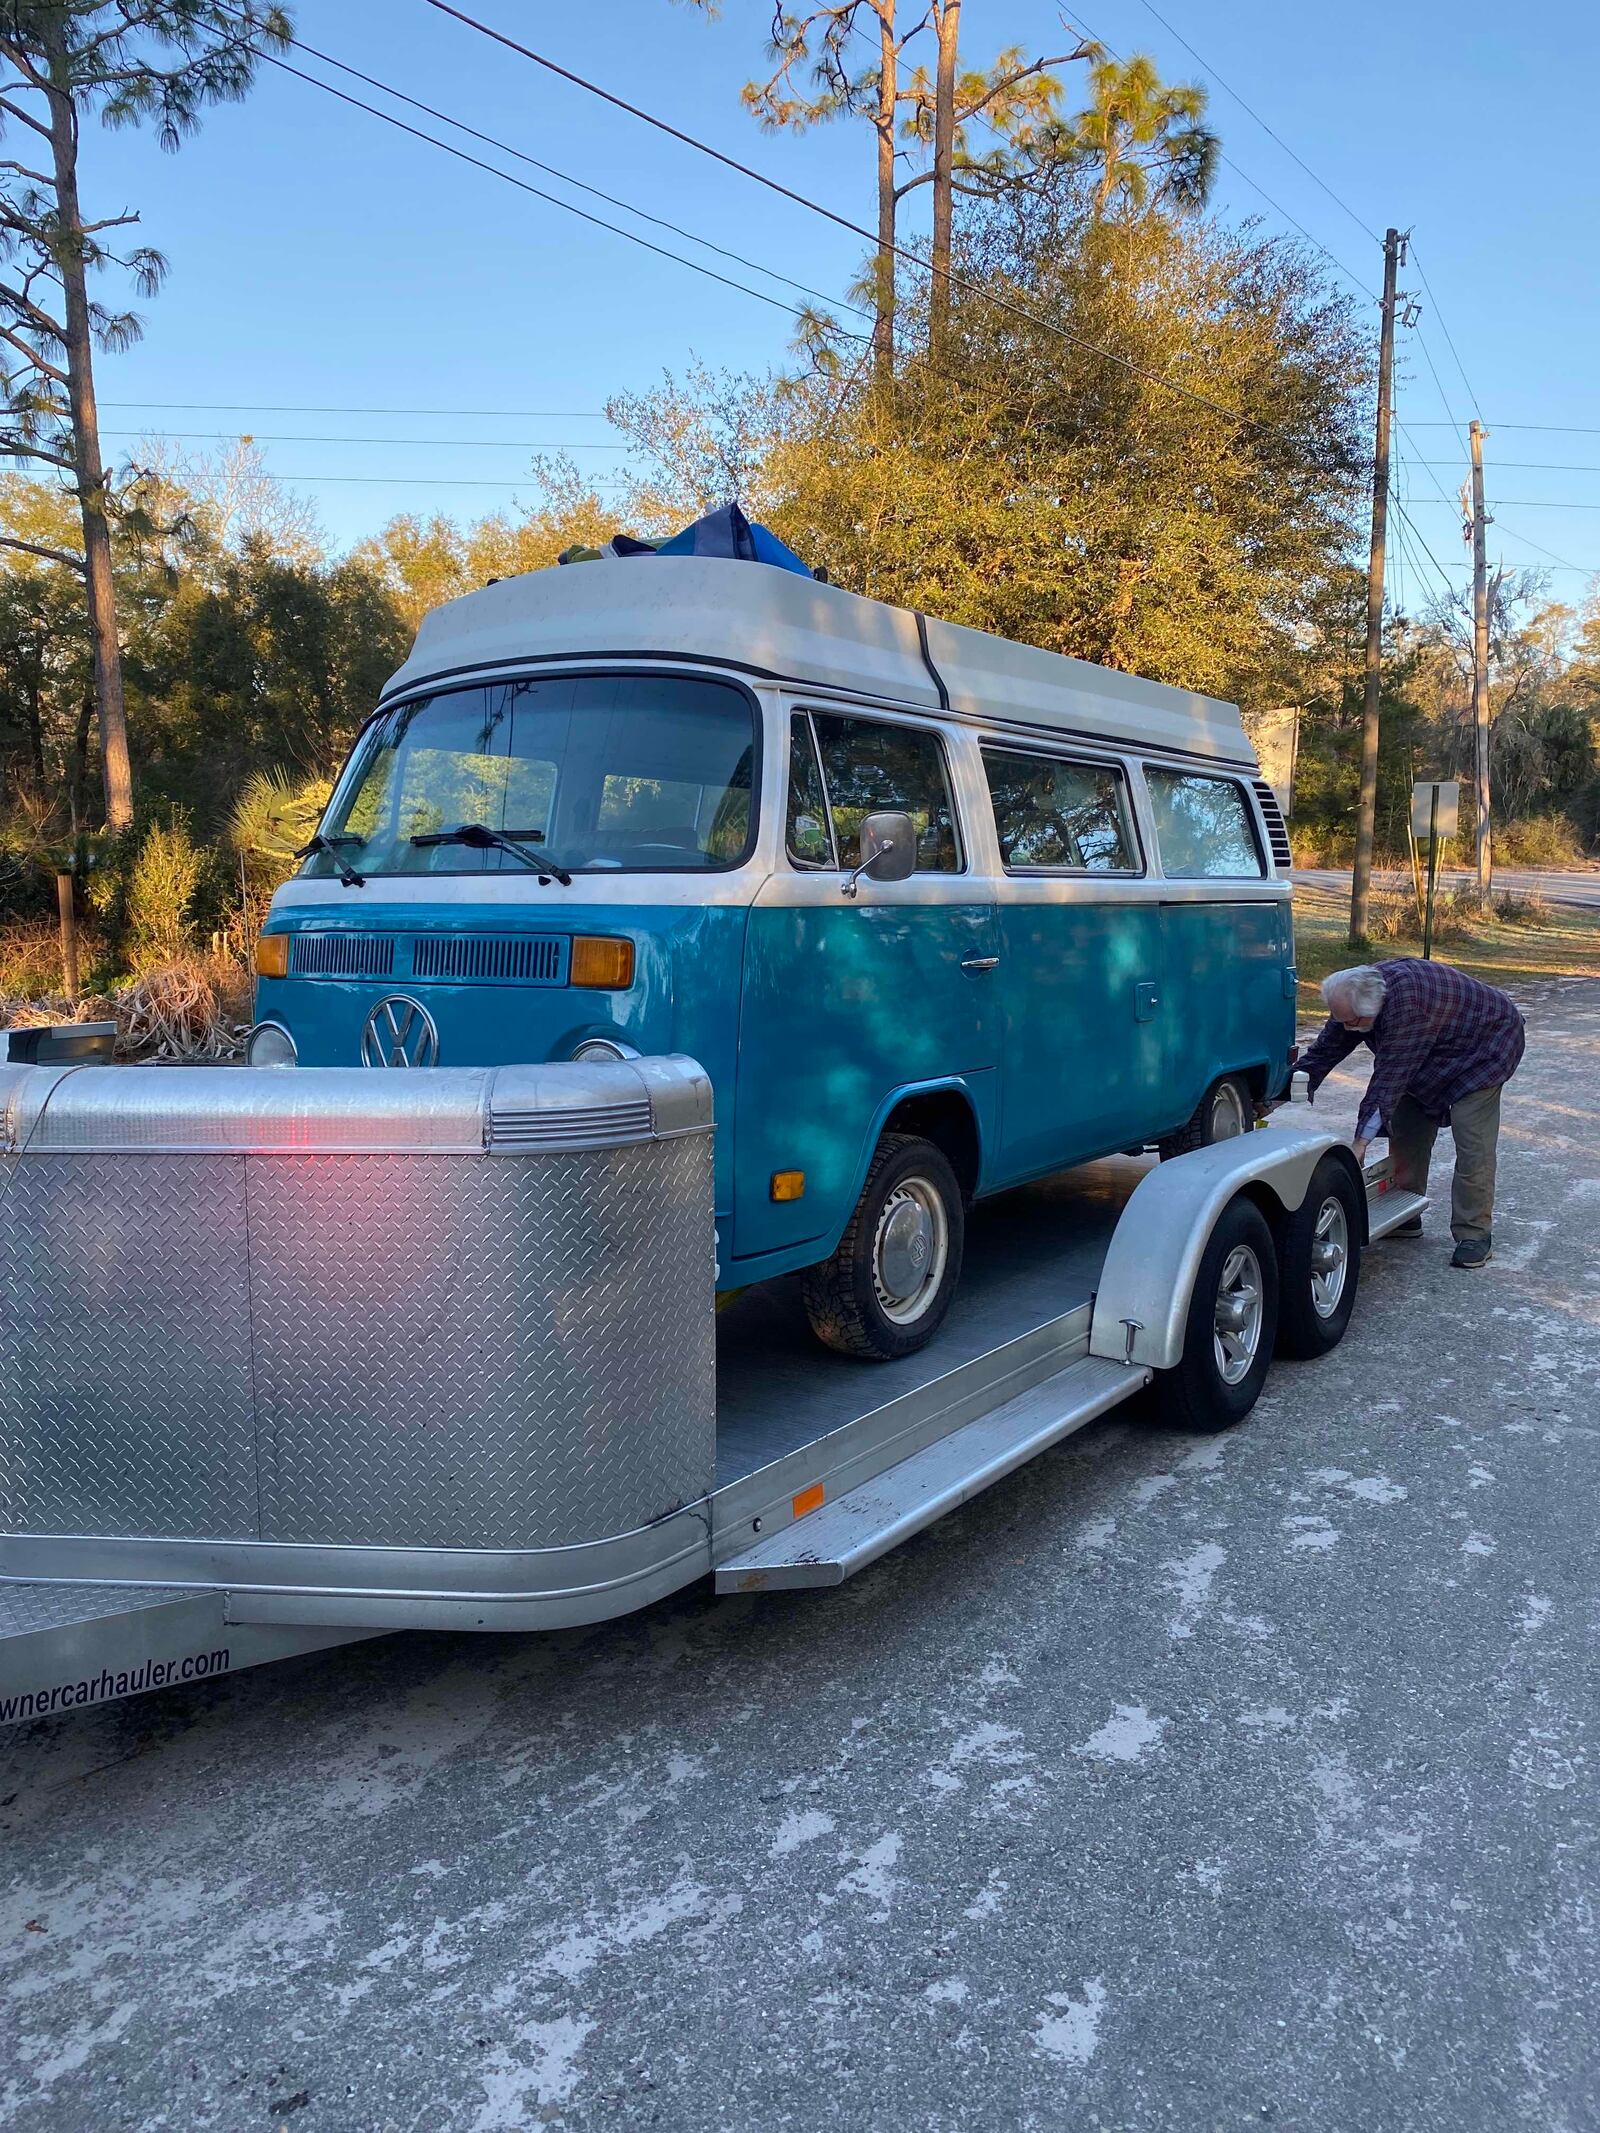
603,1048
270,1045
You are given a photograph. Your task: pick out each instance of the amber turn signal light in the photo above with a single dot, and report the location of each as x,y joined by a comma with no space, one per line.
601,962
272,955
788,1184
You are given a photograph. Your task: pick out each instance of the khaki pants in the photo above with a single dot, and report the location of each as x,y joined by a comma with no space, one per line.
1475,1128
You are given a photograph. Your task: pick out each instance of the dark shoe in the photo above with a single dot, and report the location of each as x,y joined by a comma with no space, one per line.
1409,1228
1476,1252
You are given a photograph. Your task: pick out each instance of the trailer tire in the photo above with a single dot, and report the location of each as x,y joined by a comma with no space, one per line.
885,1290
1320,1263
1226,1110
1232,1324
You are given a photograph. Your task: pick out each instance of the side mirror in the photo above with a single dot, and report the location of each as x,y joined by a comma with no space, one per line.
888,851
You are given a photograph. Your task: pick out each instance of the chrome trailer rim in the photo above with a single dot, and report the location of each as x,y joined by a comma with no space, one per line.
910,1250
1236,1335
1330,1257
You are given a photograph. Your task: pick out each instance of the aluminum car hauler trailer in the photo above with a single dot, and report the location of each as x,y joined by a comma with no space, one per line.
290,1359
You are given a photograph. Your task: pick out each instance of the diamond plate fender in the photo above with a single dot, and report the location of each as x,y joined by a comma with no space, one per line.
1148,1278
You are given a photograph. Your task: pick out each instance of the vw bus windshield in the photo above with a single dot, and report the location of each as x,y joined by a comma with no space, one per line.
632,773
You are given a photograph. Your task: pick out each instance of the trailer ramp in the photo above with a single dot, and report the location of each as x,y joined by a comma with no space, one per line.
840,1538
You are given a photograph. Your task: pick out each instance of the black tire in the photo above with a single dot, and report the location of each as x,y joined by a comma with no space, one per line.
1229,1097
1196,1394
1317,1294
850,1299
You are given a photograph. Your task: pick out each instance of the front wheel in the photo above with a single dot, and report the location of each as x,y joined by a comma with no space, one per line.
1232,1324
1321,1263
885,1291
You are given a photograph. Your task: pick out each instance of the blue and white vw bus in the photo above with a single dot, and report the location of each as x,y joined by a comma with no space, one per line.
938,913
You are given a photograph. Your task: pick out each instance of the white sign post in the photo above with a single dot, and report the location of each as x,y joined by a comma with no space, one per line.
1435,811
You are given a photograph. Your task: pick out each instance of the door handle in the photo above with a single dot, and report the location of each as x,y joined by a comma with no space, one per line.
1146,999
979,962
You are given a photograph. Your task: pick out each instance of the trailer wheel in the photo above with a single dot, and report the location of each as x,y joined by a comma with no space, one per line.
885,1291
1232,1323
1320,1263
1226,1110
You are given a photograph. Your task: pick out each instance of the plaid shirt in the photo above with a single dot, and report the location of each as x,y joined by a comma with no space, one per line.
1441,1036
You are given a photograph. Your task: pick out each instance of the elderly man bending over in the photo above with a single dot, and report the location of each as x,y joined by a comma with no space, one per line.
1444,1044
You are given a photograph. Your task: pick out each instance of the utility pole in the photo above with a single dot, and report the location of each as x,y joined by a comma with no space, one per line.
1367,815
1480,664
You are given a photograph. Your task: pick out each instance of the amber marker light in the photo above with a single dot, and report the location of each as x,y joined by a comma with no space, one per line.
788,1184
808,1500
601,962
272,955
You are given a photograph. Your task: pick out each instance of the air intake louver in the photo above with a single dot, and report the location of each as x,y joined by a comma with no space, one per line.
599,1126
343,955
1277,834
492,958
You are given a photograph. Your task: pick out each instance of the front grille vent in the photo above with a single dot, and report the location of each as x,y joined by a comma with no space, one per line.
591,1126
343,955
1277,834
492,958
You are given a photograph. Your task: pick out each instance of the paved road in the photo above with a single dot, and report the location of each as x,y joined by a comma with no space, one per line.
1175,1784
1555,885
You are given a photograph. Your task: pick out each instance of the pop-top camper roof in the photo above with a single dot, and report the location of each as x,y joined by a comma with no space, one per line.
778,625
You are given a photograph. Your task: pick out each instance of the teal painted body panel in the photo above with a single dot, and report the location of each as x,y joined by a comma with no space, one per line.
845,1005
684,996
1226,1004
1083,1055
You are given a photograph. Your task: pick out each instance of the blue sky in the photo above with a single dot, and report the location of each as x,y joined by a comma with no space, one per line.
321,260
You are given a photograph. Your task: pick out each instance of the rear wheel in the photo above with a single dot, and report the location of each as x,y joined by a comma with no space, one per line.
1226,1110
1320,1263
885,1291
1232,1323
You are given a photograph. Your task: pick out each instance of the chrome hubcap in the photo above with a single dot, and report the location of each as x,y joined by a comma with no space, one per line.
910,1250
1227,1114
1237,1334
1330,1257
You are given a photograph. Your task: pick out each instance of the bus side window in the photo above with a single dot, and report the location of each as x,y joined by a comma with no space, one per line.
1055,816
807,837
871,767
1203,827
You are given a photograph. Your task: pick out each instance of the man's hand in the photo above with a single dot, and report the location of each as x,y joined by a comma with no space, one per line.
1361,1147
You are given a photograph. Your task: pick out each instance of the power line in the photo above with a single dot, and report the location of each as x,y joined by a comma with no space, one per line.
566,177
1438,312
261,407
538,192
1255,185
857,229
479,444
1529,503
1343,205
1557,429
1528,466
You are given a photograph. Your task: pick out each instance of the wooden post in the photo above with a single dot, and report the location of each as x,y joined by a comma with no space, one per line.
1367,813
1480,667
67,912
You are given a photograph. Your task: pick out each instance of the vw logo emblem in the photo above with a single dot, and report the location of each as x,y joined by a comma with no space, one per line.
399,1032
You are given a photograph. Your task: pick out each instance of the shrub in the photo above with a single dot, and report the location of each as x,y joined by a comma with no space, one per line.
1538,841
189,1010
30,960
1521,907
161,891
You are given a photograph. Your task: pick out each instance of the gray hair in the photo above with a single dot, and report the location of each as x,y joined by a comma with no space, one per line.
1363,987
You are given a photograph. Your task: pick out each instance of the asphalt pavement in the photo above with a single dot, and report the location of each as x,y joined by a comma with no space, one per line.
1577,887
1174,1783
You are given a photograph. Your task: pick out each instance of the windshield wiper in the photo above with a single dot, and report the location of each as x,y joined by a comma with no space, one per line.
488,840
347,874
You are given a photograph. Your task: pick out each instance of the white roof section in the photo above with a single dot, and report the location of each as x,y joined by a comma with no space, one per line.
758,618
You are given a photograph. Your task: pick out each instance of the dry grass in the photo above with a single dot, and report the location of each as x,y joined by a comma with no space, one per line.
1518,939
194,1010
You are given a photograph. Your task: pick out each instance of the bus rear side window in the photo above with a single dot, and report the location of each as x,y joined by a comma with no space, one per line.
1203,827
1052,816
